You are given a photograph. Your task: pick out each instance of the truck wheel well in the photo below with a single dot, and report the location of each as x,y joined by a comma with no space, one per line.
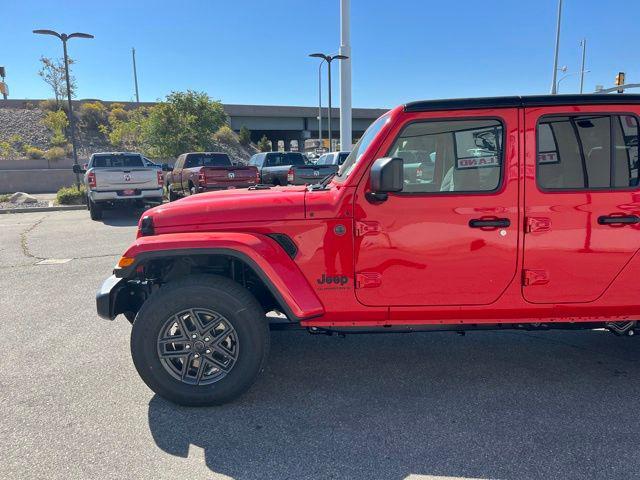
169,269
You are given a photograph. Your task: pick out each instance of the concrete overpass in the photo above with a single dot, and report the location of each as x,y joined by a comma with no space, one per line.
277,122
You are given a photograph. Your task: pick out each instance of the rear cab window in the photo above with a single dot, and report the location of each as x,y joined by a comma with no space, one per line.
207,160
117,161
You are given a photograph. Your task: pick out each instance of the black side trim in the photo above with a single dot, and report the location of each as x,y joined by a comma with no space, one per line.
516,102
144,257
285,242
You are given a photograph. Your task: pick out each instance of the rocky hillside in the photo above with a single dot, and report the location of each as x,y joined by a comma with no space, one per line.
21,128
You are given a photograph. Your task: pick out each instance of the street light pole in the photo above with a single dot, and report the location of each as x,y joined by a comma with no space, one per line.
135,73
72,124
583,44
555,58
329,59
320,103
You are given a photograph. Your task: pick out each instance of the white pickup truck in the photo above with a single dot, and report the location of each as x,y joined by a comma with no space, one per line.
120,178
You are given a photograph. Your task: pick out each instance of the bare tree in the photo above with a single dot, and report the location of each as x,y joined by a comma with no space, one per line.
52,72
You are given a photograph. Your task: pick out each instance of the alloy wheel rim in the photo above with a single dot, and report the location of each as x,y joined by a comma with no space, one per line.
198,346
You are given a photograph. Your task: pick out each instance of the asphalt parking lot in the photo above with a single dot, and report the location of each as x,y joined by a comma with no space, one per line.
486,405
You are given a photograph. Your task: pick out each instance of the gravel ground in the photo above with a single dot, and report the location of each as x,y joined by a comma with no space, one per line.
9,205
507,405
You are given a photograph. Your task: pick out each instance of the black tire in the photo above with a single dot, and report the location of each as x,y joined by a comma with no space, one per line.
171,195
95,211
226,298
192,189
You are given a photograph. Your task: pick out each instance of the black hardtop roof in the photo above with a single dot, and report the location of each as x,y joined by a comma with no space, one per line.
518,101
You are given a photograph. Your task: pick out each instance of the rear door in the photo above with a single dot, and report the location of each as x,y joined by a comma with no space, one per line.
451,239
582,203
176,174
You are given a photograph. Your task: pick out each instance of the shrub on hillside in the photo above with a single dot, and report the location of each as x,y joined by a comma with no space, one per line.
71,196
50,105
225,135
244,136
54,154
6,149
34,153
93,115
57,122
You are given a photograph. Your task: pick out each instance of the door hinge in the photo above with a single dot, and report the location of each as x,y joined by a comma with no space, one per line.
534,277
367,228
537,224
368,280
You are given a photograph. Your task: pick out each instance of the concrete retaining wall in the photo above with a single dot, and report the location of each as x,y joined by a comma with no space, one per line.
35,181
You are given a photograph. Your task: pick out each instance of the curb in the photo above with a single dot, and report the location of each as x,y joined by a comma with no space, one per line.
42,209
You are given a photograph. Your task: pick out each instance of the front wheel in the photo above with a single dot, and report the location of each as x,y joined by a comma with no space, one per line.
200,341
171,194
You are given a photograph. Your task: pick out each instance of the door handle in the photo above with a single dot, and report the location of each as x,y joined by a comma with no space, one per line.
618,219
489,222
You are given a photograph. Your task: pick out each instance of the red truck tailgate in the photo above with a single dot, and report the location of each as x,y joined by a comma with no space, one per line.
238,176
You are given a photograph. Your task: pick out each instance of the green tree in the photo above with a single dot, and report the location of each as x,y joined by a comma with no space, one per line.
52,72
127,131
184,122
264,145
244,136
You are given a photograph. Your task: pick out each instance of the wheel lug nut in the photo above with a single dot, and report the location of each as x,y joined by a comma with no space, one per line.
194,336
187,347
196,356
207,339
208,351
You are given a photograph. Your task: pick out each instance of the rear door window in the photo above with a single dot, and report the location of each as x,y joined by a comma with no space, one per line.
587,152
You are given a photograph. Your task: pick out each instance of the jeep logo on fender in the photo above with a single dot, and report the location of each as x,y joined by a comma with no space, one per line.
332,281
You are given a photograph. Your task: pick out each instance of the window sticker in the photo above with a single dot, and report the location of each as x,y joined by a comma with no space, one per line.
478,162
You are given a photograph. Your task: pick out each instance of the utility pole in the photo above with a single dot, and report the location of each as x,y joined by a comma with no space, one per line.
346,135
135,73
554,87
583,44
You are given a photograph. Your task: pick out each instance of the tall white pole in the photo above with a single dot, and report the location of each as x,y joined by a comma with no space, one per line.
583,44
346,136
554,87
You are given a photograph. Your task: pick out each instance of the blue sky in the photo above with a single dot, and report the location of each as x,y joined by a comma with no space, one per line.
255,51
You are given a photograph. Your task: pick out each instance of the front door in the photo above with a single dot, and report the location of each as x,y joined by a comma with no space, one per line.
582,202
450,237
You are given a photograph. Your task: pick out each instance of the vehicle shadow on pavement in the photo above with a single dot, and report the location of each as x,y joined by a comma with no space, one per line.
487,405
122,218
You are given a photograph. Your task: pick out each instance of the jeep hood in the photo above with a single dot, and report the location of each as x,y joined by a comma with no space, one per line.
229,206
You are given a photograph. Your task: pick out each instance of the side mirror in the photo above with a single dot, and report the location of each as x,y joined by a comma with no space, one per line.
78,169
386,176
166,167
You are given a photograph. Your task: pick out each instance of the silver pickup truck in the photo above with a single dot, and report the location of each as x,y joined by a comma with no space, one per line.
118,179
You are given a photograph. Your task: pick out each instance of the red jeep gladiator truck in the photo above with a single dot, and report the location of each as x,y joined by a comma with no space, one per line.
198,172
529,220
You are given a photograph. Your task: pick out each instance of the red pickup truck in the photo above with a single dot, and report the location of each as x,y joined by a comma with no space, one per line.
198,172
529,219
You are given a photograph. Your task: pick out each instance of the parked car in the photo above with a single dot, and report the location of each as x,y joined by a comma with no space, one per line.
115,179
312,173
198,172
277,168
530,221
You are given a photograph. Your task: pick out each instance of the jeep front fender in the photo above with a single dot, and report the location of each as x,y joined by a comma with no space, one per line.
270,262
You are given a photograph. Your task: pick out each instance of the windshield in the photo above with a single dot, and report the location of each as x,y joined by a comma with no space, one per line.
117,161
285,158
361,147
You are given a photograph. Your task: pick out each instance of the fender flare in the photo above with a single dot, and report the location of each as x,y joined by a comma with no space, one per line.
264,255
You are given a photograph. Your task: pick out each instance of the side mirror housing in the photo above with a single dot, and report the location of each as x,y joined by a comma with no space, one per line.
166,167
78,169
386,176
